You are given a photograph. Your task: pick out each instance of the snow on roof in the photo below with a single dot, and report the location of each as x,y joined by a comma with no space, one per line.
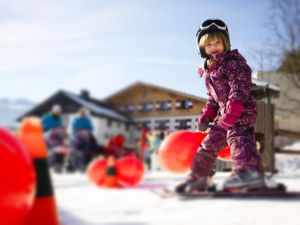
96,108
263,83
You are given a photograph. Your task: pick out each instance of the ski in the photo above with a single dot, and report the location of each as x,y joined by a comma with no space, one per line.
278,192
163,192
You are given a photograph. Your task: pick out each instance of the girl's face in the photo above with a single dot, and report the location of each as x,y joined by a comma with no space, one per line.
214,47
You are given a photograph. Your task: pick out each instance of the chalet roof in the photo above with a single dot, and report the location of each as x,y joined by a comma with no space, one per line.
71,102
153,86
260,89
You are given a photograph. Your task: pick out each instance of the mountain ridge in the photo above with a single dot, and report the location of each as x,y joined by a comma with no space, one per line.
11,109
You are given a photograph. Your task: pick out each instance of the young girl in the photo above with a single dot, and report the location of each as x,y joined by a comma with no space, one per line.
231,108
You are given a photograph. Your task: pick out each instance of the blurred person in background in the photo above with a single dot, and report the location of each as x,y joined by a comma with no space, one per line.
56,138
85,146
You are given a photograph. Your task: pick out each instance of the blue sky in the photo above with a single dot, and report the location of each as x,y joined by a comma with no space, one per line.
102,46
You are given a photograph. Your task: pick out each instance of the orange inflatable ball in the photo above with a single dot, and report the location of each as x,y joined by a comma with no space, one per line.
18,180
96,171
224,154
130,171
178,149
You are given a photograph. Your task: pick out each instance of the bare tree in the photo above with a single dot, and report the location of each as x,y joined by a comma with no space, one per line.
263,57
283,23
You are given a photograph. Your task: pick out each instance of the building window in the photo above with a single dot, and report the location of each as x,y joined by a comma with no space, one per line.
129,108
145,107
184,104
145,93
162,124
163,106
145,124
183,124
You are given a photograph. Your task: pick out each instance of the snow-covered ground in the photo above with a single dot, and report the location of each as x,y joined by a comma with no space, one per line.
288,164
82,203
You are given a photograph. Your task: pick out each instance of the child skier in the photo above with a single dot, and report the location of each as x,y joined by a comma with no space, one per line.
231,108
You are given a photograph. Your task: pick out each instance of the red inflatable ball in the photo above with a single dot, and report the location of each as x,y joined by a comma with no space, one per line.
224,154
178,149
127,171
18,180
111,143
96,171
130,171
119,141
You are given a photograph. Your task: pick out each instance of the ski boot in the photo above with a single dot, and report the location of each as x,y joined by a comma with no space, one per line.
246,180
195,184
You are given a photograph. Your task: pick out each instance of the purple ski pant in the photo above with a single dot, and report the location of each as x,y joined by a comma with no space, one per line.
241,140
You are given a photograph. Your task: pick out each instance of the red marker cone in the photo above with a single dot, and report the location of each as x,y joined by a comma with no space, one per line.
44,211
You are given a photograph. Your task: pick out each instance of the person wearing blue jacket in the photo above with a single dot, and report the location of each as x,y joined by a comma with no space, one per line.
85,146
52,119
55,137
82,122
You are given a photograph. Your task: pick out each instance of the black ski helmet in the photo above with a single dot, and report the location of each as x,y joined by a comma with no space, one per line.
208,26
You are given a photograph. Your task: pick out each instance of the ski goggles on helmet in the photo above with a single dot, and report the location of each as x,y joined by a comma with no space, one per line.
211,25
217,23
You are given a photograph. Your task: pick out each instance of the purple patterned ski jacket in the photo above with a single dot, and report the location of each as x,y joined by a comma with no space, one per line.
229,79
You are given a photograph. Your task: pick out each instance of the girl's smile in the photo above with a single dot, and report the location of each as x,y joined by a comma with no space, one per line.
214,47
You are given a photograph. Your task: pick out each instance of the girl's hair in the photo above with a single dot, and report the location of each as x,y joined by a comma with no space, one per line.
215,35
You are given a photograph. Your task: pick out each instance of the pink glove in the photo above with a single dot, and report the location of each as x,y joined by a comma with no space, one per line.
233,113
227,121
207,112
